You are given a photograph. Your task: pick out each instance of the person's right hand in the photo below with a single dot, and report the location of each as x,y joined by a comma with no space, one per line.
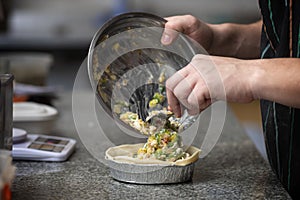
189,25
207,79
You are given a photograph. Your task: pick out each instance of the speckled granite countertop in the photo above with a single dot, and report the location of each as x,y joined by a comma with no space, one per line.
233,170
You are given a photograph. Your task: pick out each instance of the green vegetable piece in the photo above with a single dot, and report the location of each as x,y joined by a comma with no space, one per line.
161,88
159,97
153,103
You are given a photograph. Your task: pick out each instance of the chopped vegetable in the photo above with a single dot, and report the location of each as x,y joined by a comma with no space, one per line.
159,97
161,88
117,108
164,142
164,145
162,77
156,99
153,103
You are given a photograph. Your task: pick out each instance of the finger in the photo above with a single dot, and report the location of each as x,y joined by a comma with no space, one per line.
177,78
183,89
171,83
173,27
171,18
173,103
168,36
200,109
192,100
206,104
183,24
193,112
193,109
199,98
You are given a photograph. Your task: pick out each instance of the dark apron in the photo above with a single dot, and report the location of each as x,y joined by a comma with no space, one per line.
281,124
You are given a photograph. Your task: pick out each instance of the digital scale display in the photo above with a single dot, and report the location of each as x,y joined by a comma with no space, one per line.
43,148
48,144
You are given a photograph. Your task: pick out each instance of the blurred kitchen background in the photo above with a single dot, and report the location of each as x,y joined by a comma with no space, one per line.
63,29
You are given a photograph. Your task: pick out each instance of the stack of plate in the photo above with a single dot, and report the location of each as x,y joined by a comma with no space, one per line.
34,117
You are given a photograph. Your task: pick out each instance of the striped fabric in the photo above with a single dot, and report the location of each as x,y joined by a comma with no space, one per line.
281,124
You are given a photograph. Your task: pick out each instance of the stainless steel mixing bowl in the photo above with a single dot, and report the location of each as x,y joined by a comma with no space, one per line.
130,41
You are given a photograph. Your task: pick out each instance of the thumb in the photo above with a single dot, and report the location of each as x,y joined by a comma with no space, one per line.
168,36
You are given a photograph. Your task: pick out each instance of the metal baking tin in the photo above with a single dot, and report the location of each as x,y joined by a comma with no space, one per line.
153,174
125,167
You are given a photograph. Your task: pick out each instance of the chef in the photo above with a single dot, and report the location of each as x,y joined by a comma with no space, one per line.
258,61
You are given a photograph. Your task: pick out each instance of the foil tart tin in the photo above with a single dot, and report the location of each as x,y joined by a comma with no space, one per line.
154,174
124,167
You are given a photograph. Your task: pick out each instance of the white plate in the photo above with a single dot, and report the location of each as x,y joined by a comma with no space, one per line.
19,135
30,111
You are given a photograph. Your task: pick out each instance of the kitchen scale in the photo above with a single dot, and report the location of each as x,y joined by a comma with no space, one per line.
41,147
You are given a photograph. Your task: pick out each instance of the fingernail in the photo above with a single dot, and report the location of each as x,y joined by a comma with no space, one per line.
166,39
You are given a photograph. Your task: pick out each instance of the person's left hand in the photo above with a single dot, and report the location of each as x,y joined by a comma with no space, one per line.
207,79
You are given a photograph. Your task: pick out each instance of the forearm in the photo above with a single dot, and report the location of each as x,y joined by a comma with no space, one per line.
239,41
276,80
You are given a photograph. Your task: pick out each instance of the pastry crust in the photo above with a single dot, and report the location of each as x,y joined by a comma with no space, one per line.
125,154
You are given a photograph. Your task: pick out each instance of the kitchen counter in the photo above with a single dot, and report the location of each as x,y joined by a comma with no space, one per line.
233,170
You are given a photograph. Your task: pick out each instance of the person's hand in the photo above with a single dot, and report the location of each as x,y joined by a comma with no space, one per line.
190,26
207,79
